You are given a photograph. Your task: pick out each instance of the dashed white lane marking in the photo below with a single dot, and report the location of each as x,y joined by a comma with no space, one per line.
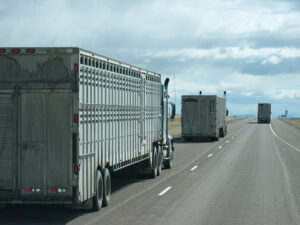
210,155
195,167
232,137
292,146
165,191
220,147
227,142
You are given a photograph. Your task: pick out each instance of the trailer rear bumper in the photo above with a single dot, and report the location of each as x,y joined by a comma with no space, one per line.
10,197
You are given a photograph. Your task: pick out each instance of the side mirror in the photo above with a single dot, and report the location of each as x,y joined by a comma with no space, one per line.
172,117
226,112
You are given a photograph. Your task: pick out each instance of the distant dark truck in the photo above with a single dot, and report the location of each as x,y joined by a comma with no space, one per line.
264,113
203,116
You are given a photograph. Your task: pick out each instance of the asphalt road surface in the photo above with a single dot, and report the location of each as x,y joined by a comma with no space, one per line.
252,176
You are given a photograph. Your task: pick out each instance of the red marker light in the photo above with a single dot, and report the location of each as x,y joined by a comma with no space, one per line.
76,67
28,190
76,118
16,50
2,50
30,50
76,170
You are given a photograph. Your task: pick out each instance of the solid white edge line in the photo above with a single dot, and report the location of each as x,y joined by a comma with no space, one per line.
165,191
195,167
293,147
210,155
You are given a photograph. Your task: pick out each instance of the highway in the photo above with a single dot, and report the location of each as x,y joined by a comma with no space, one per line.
251,177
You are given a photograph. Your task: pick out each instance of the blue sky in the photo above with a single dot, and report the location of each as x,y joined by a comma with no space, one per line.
249,48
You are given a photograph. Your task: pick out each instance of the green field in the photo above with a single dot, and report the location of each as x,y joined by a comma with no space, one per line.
175,126
294,122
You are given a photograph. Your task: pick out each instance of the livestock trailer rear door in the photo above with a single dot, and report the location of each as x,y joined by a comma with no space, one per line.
33,139
45,125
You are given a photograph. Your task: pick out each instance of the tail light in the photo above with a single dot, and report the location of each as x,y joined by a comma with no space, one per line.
16,50
54,190
76,118
75,169
76,67
30,50
2,50
28,190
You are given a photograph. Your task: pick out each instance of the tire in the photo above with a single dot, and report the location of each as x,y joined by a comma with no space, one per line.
154,162
221,132
159,160
168,164
98,198
106,187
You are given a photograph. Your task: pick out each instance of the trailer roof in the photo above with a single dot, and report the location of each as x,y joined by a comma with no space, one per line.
70,50
101,57
201,96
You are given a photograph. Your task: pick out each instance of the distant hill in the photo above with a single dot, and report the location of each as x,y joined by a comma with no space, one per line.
243,116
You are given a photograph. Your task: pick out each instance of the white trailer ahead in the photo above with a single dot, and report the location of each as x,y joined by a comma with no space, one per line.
70,117
203,116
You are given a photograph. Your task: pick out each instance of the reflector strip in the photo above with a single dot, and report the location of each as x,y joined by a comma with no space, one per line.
58,190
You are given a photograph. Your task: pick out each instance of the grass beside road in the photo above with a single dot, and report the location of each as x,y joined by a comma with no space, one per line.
175,126
294,122
231,118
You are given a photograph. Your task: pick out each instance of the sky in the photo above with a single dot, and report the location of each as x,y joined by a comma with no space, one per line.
251,49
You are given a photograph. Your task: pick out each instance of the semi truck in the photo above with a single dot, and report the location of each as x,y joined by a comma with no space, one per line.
203,116
264,113
70,117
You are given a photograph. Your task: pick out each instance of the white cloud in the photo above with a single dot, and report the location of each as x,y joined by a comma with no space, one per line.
230,53
272,60
247,94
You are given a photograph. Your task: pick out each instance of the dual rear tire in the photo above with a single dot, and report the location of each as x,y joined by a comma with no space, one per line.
157,158
102,189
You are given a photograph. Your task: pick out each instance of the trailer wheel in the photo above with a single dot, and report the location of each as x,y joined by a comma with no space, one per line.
106,187
154,162
159,160
222,133
98,198
217,136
